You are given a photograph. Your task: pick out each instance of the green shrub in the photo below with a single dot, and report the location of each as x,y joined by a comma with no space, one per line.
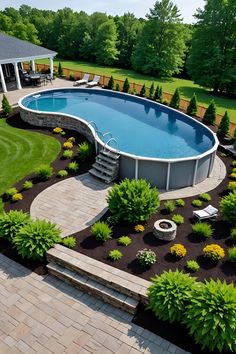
233,170
205,197
67,154
228,207
28,185
69,241
72,77
112,220
10,192
44,172
231,186
73,166
180,203
196,203
169,294
223,128
85,150
6,107
192,107
233,163
133,200
175,100
36,238
115,255
62,173
192,266
210,114
111,83
165,102
178,219
233,233
143,91
211,316
232,254
202,229
101,231
117,88
124,241
63,133
60,70
12,222
151,90
146,257
169,206
126,86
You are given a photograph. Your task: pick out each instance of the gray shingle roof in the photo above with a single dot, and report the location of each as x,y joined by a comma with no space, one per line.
12,48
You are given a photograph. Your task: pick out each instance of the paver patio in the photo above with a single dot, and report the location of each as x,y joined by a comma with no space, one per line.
40,314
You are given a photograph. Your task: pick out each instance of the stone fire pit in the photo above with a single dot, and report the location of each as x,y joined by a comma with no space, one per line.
165,229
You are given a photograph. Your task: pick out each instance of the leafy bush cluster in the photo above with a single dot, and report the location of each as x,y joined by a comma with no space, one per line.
133,200
214,252
44,172
228,207
112,220
73,166
28,185
232,254
180,203
178,250
115,255
207,309
69,241
146,257
11,222
62,173
67,154
231,186
205,197
192,266
10,192
202,229
85,150
169,206
124,241
178,219
196,203
101,231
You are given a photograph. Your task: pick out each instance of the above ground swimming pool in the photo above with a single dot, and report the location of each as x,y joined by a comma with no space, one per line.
167,147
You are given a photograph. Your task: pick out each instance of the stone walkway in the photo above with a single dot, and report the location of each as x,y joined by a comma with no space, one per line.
217,176
73,204
40,314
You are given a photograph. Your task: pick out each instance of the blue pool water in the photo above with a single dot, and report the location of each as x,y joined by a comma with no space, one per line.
140,127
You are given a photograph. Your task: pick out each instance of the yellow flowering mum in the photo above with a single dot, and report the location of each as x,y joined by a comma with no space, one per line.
214,252
178,250
16,197
139,228
67,145
57,130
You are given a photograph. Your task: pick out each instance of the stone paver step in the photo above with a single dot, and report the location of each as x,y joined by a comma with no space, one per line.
107,171
127,284
100,175
94,288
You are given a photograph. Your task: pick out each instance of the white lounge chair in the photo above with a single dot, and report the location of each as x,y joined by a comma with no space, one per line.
82,81
206,213
95,81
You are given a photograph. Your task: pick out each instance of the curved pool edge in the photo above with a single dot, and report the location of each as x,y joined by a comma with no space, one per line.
172,172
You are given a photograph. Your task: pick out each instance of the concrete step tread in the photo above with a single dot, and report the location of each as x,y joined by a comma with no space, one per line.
102,169
107,159
93,287
110,154
106,164
100,175
117,279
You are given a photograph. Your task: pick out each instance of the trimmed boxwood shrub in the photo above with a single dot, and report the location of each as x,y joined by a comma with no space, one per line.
211,315
169,294
133,200
228,207
35,238
12,222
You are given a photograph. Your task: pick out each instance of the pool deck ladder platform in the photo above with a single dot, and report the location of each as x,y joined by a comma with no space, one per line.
106,166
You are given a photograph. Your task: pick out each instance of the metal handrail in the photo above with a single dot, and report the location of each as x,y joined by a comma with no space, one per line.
108,133
111,139
93,123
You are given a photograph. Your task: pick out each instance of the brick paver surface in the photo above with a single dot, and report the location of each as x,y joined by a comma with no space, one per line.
41,314
73,204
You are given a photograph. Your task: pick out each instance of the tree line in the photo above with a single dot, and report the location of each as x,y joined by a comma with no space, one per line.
159,44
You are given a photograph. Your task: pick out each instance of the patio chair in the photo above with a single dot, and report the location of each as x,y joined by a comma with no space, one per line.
84,80
95,81
206,213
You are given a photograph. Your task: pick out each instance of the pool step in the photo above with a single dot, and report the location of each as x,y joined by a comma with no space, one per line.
106,166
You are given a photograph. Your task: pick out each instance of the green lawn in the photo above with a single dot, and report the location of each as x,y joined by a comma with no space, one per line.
187,87
21,151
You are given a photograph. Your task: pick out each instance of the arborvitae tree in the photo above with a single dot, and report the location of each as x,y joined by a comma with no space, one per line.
117,87
175,100
126,86
192,107
210,114
224,125
143,91
60,70
151,90
6,107
160,93
111,83
156,93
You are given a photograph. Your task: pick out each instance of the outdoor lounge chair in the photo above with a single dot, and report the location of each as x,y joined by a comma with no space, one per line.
206,213
95,81
82,81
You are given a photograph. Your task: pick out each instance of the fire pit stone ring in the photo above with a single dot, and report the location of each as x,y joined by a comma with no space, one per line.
165,229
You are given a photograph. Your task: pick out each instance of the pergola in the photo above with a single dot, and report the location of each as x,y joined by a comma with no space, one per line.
15,51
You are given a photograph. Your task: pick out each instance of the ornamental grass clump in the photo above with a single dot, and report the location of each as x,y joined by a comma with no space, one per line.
228,207
85,150
169,295
205,197
169,206
12,222
67,154
178,219
10,192
44,172
178,250
211,316
133,200
180,203
35,238
192,266
73,166
146,257
202,229
115,255
124,241
69,241
28,185
214,252
62,173
101,231
196,203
